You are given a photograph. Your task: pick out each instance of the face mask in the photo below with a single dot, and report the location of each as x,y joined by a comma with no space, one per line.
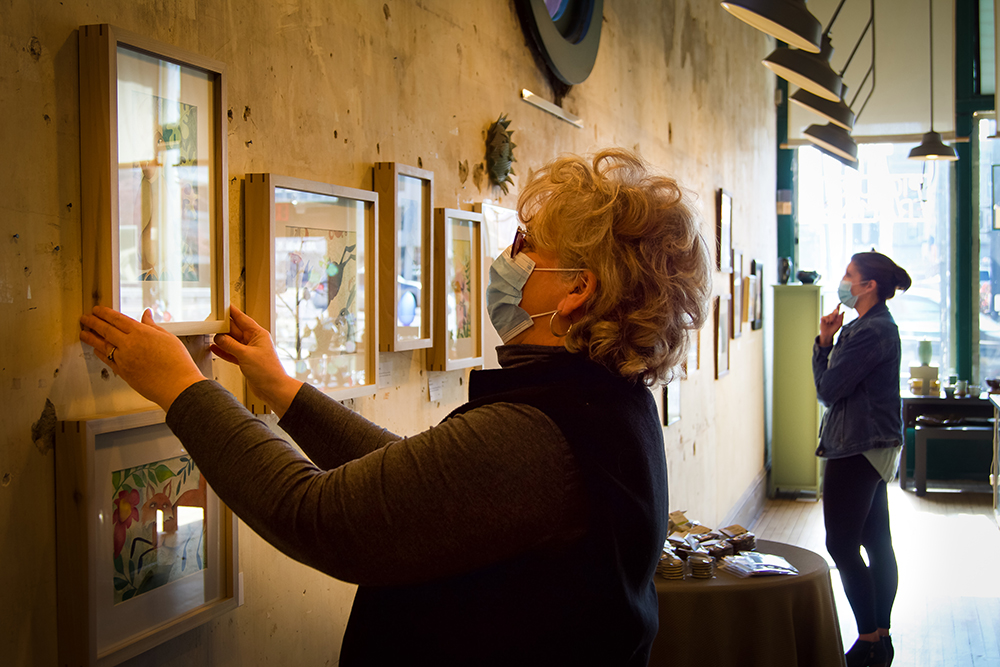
844,292
503,294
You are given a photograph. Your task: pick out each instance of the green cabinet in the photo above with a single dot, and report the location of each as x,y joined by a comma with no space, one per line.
796,412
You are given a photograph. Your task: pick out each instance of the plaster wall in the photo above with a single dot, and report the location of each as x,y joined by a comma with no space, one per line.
320,91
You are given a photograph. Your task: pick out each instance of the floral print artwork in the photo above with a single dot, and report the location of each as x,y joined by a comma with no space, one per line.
158,514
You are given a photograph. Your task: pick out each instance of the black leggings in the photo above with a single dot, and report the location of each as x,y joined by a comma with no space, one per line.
856,512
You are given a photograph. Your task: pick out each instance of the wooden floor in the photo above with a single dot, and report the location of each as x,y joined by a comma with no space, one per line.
947,610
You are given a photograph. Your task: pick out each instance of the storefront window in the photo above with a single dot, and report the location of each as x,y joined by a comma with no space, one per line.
897,206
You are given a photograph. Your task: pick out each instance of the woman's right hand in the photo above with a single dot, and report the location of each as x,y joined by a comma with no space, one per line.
830,324
249,346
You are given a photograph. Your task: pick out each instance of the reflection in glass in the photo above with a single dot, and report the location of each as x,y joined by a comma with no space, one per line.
158,513
463,288
165,198
319,288
409,236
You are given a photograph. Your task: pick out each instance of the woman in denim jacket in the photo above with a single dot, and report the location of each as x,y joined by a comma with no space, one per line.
858,381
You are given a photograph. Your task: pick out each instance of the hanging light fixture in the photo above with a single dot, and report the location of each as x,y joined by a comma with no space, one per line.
834,139
838,112
853,164
786,20
932,148
810,71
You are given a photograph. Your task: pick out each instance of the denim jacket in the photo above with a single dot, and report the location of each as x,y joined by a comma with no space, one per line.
858,381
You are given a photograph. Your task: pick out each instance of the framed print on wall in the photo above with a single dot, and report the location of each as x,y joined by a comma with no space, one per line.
723,305
736,287
314,283
459,287
153,181
672,402
499,225
145,549
724,230
407,256
758,311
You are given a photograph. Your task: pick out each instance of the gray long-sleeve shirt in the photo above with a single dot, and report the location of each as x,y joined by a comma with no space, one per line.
373,508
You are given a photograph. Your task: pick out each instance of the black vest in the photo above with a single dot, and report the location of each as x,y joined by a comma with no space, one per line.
589,602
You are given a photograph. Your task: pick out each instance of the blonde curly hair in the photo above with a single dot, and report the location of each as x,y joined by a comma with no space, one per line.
636,232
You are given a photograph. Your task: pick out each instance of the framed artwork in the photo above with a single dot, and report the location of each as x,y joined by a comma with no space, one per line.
723,306
153,181
145,549
459,284
672,402
724,230
407,266
747,298
499,226
693,362
757,285
314,283
736,288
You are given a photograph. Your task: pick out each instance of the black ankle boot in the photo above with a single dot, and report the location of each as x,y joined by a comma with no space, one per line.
866,654
889,651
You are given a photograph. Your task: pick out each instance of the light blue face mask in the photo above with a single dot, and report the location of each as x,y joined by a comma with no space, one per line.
844,292
503,294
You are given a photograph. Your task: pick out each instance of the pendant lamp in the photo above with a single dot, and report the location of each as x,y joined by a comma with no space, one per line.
932,148
853,164
810,71
786,20
835,139
838,112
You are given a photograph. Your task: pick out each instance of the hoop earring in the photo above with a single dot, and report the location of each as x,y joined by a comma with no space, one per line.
553,329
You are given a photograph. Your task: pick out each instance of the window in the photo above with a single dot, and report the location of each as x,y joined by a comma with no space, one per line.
986,179
897,206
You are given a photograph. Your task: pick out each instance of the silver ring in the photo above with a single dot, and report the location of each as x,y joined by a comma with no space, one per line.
111,354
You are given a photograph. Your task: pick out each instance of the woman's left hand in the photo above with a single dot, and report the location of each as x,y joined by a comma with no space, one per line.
152,361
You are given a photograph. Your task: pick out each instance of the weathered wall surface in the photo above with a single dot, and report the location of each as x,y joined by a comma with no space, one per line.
321,90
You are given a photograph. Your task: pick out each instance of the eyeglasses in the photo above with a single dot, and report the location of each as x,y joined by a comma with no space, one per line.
518,244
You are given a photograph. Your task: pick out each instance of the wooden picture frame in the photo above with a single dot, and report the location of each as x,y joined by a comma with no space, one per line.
314,283
131,577
748,295
757,321
723,306
460,287
406,300
736,289
499,225
672,402
723,230
155,201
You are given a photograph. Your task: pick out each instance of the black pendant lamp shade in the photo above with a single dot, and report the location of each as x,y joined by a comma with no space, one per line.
787,20
837,112
932,148
809,71
853,164
835,139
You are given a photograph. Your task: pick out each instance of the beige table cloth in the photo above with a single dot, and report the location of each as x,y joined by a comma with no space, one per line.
775,621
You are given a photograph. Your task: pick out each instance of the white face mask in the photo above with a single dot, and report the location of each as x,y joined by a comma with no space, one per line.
844,292
504,293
